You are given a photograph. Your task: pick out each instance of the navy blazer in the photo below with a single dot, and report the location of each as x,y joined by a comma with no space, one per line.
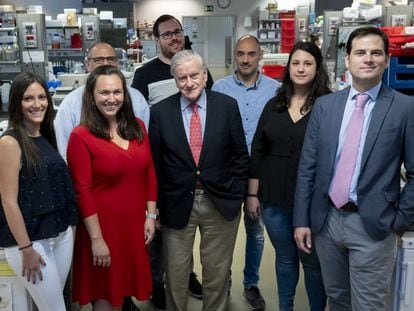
223,168
389,142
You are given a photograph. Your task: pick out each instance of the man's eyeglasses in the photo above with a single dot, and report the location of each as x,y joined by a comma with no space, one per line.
101,60
169,34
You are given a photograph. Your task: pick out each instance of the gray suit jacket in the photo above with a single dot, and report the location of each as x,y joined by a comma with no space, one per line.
389,142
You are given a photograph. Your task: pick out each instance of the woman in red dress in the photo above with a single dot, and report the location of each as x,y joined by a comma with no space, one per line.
110,161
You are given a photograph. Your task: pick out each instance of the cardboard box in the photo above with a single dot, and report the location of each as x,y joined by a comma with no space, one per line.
263,14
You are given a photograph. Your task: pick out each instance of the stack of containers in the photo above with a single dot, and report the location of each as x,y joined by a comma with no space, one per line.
287,23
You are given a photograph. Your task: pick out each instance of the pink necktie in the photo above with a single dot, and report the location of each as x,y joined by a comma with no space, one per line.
347,159
196,139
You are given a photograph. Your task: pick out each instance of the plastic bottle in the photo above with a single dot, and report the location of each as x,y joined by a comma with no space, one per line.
16,51
311,18
4,48
56,41
5,90
139,54
9,52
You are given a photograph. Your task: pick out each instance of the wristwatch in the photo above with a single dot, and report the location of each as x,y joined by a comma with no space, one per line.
152,216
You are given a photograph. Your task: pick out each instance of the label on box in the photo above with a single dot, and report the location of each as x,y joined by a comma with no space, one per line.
6,301
409,30
5,269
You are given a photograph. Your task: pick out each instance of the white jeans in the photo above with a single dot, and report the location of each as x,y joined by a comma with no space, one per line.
57,254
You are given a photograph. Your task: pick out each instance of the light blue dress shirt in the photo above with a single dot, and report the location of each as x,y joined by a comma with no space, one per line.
349,108
251,100
187,111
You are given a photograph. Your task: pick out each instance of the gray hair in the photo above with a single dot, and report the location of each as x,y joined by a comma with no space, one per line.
183,57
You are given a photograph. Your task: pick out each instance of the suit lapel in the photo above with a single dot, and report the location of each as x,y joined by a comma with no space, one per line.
177,118
336,121
382,105
211,119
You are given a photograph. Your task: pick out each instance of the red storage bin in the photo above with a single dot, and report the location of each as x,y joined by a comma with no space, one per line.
289,33
273,71
397,39
288,40
288,24
285,48
287,14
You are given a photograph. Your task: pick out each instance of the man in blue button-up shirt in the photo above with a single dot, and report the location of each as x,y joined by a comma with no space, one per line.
252,90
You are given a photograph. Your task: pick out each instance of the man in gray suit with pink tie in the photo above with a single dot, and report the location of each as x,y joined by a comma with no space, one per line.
348,203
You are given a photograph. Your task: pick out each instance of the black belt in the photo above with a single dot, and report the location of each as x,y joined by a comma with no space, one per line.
348,207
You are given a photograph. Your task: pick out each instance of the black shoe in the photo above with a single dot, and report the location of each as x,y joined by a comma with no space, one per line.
254,298
196,290
158,298
129,305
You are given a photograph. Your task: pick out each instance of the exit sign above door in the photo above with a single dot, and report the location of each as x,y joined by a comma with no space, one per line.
208,8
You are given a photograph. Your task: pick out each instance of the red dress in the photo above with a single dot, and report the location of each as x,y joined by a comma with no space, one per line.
115,184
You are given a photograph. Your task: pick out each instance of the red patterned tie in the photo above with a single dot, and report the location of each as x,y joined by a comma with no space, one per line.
196,139
347,160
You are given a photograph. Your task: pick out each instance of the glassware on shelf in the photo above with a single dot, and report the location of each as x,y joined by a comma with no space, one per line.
9,53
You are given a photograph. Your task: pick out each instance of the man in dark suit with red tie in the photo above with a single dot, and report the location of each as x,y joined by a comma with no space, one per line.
202,164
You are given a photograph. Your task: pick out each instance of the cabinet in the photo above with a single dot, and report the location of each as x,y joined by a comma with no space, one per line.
14,294
269,35
63,37
400,74
10,63
145,34
277,34
65,48
404,276
146,38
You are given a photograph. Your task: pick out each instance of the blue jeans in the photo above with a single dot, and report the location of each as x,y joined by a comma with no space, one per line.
254,250
278,223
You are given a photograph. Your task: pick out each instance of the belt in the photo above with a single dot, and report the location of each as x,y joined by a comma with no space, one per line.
348,207
199,191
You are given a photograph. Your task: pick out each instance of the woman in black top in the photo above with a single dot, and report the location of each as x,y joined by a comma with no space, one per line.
275,155
37,197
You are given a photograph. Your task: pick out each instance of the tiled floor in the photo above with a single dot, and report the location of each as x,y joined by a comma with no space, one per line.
238,302
267,280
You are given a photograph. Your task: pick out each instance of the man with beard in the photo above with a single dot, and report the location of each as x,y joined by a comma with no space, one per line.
156,83
252,90
154,79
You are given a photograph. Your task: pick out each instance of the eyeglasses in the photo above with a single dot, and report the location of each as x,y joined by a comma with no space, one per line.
101,60
169,34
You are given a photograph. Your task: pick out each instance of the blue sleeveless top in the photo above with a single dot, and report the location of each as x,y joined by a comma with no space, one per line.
46,196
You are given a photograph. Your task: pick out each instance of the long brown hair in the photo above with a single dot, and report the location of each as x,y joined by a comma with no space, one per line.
19,86
128,127
319,86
